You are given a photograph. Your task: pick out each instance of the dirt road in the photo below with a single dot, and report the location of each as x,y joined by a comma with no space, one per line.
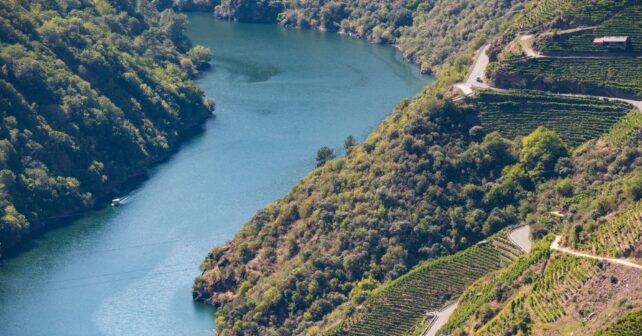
556,246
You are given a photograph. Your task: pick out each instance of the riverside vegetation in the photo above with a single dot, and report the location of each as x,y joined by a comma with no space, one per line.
93,93
428,32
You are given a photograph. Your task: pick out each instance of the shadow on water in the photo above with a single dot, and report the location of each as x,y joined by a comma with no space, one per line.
250,71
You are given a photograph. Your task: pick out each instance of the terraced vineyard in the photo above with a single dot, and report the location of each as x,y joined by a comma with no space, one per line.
628,22
519,112
629,325
544,302
510,321
561,279
400,308
543,11
616,237
575,75
483,291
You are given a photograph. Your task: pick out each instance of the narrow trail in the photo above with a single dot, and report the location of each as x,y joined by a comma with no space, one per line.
555,245
441,317
527,41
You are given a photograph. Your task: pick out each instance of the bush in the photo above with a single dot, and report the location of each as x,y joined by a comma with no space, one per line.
633,186
565,187
324,154
540,152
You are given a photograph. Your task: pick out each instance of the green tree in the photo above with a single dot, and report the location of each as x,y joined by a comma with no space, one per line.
540,151
324,154
200,56
349,142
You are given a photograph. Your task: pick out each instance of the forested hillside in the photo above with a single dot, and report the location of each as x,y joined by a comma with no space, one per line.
595,207
434,179
428,32
91,94
426,183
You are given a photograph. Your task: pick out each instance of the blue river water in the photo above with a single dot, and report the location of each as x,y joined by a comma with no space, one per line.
281,94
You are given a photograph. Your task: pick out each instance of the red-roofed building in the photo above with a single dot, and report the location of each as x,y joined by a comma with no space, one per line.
612,42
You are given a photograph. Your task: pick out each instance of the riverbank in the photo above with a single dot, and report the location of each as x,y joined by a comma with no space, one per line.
281,95
101,198
428,35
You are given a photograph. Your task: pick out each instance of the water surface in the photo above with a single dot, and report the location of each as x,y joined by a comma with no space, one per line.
281,94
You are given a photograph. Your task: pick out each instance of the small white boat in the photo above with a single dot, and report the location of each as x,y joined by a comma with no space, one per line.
116,202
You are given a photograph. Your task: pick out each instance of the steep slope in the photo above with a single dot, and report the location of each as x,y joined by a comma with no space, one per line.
556,294
92,93
519,112
565,57
403,306
420,187
428,182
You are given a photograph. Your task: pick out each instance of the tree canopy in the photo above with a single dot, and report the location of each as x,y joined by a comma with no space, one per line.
92,93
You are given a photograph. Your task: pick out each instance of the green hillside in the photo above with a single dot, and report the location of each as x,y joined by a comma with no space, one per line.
542,292
91,94
434,179
614,237
493,287
397,199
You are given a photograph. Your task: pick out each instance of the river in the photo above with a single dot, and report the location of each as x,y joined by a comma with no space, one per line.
281,94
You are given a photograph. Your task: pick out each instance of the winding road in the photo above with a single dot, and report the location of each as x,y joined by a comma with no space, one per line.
441,317
481,62
522,238
521,235
477,71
